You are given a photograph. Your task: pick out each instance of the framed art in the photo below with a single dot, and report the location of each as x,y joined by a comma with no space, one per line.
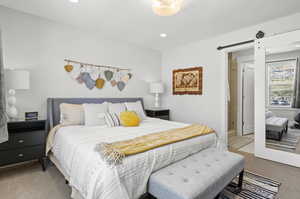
187,81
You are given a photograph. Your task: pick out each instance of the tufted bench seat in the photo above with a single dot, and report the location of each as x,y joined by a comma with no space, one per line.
200,176
275,127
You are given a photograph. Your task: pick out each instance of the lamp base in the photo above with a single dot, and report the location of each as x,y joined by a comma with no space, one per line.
12,110
157,104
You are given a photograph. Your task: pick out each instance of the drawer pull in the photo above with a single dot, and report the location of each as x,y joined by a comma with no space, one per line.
20,141
20,155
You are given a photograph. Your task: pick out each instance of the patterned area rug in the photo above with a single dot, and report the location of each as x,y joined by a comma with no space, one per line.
254,187
288,142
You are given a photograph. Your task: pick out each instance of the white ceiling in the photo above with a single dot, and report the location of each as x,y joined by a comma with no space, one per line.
133,20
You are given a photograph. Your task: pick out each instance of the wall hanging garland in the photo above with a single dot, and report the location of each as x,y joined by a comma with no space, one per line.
97,75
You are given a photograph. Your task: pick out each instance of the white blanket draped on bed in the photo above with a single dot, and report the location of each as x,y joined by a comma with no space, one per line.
74,148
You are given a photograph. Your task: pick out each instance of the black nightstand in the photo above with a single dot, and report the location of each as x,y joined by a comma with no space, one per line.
26,142
158,113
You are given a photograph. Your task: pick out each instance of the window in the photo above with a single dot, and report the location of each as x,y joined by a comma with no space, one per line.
281,82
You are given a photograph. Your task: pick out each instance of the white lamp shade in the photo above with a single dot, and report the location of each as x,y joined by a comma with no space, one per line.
156,87
18,79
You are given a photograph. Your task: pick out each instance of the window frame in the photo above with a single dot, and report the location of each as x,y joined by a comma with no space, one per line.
267,85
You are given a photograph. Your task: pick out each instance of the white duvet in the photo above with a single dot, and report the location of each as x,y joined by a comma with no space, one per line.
74,148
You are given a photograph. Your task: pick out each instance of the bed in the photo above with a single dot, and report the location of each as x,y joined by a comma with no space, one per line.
74,153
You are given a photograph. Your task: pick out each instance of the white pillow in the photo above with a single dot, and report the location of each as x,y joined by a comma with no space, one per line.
112,119
116,108
94,114
71,114
136,107
269,114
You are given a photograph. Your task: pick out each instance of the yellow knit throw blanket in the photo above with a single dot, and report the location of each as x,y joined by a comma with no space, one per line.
114,153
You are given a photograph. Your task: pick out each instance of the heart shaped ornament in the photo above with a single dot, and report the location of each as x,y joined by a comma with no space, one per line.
89,82
94,74
121,85
113,83
125,78
74,74
108,75
68,67
100,83
79,79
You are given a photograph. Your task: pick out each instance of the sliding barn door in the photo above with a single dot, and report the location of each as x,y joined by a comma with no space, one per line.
274,87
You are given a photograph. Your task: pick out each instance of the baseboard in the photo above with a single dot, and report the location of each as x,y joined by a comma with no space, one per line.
248,131
231,133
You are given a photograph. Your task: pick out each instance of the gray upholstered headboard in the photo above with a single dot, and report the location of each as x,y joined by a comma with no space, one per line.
53,111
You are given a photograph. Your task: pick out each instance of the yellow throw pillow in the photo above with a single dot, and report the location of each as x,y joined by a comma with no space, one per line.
129,118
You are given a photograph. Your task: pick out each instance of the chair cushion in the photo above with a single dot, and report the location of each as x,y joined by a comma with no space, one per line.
200,176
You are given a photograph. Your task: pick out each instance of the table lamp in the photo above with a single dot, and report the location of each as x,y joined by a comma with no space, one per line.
156,88
16,80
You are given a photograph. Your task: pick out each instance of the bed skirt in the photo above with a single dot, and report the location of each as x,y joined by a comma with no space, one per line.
75,194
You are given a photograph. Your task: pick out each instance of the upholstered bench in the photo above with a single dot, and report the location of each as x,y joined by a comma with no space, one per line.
275,127
200,176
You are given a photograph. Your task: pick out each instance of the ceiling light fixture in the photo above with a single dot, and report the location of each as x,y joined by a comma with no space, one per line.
74,1
166,7
163,35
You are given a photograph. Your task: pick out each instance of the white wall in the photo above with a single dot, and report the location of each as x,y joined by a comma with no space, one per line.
207,107
40,46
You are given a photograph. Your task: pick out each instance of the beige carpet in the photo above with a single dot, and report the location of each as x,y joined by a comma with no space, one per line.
30,182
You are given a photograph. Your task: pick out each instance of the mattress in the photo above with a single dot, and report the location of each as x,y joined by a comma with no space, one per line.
74,149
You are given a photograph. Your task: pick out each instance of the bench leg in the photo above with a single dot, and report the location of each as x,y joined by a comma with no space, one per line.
147,196
240,183
280,135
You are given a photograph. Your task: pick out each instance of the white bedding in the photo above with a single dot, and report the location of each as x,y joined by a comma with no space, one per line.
74,148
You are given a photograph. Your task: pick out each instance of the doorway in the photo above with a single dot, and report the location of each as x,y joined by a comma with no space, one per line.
241,100
248,98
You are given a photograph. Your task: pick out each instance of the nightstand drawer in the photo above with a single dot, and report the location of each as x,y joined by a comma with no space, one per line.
27,139
25,126
6,145
26,142
19,140
159,113
20,155
163,117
